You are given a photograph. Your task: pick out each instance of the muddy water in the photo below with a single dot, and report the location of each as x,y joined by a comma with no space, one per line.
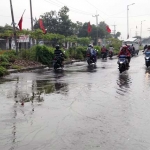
81,108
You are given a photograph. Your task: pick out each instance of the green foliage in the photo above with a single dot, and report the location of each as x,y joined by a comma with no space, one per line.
117,34
98,48
116,44
141,47
77,52
80,52
5,64
44,54
4,58
58,23
16,67
3,71
28,54
11,55
84,41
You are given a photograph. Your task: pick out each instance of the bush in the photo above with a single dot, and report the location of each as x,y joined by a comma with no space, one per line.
3,71
5,64
44,54
80,53
8,56
16,67
98,48
4,58
116,44
10,53
29,54
25,54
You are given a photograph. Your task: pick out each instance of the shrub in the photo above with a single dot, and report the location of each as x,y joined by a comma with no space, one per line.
44,54
3,71
29,54
98,48
8,56
25,54
16,67
5,64
10,53
80,53
4,58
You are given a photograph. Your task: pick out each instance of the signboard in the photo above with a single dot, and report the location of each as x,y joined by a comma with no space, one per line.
24,38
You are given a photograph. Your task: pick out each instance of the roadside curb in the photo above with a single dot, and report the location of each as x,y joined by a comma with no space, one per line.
26,69
37,67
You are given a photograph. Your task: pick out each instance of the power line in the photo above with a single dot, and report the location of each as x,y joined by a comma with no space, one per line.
97,9
73,7
75,10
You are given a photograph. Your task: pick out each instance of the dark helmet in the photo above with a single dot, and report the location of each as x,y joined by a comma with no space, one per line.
57,46
148,46
90,45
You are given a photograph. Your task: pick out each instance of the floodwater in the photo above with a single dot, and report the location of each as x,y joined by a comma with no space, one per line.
80,108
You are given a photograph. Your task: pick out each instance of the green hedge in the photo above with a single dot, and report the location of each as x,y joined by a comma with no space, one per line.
44,54
3,71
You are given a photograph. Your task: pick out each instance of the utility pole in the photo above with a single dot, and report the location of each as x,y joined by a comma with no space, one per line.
114,30
31,14
97,27
128,19
14,29
149,31
141,29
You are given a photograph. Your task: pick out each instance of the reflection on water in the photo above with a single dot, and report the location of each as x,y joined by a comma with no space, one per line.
124,83
35,90
91,68
147,76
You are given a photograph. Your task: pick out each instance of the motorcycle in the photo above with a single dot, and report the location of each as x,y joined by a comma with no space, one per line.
123,63
57,63
90,60
110,54
104,55
147,59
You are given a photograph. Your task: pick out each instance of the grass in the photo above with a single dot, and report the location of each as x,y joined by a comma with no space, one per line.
16,67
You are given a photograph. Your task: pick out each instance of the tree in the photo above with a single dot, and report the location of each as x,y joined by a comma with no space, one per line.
117,35
57,22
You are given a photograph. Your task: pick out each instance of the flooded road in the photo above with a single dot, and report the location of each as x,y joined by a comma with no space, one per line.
80,108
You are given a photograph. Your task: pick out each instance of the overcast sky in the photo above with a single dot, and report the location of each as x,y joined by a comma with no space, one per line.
110,11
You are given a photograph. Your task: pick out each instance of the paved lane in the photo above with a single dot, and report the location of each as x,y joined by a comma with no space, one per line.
80,108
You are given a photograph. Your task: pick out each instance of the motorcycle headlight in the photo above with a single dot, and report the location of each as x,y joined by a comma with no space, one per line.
121,62
146,57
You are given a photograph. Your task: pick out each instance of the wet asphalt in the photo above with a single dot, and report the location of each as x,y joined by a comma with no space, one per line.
79,108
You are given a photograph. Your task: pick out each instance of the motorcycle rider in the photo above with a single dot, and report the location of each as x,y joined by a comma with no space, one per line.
104,51
125,51
132,49
145,47
111,49
148,49
59,54
92,52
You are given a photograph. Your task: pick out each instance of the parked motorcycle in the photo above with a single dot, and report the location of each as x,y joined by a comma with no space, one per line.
147,59
123,63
